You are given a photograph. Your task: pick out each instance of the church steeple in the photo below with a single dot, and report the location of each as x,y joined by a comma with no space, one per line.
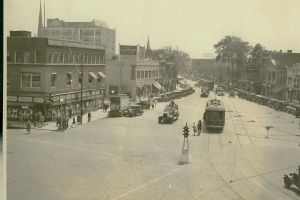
148,49
40,26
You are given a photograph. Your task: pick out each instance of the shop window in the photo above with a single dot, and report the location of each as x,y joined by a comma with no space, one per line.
69,78
53,79
38,57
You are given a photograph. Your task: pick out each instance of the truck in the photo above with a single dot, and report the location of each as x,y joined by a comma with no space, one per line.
118,104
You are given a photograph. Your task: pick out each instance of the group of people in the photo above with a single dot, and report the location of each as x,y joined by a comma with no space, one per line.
197,129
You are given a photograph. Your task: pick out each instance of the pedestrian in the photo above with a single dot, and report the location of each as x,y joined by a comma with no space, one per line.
89,116
28,127
194,128
199,127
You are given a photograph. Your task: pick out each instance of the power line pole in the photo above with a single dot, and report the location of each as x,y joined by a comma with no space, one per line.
81,88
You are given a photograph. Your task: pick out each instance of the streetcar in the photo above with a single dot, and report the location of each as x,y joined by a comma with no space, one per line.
214,115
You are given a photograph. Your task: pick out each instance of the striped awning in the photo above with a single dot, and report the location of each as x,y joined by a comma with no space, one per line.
157,85
92,74
101,74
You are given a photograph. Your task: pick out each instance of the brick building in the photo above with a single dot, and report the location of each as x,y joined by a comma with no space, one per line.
44,75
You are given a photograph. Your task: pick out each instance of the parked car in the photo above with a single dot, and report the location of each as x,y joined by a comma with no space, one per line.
145,103
133,110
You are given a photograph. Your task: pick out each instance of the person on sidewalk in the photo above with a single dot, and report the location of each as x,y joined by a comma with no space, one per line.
194,128
89,117
28,127
199,126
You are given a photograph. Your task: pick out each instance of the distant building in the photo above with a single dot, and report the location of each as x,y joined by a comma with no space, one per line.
44,75
95,31
293,84
133,74
208,69
275,73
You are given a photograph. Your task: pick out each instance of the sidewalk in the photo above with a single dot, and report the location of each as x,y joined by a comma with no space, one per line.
98,114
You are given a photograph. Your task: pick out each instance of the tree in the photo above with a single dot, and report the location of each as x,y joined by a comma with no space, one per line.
233,51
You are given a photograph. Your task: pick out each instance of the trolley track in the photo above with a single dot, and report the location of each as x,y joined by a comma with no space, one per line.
247,160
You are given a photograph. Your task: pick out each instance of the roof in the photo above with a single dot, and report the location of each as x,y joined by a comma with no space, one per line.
59,23
215,104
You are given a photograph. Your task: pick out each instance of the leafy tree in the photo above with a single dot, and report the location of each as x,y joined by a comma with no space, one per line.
233,51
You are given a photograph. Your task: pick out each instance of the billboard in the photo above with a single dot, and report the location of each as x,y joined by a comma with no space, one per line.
128,50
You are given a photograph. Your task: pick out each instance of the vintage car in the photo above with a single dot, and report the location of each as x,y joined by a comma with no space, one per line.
145,103
292,179
133,110
231,93
169,116
297,112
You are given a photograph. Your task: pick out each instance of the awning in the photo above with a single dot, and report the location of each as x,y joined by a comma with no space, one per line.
101,75
93,75
157,85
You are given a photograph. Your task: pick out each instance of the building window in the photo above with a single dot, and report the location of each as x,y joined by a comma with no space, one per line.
138,74
50,57
146,74
38,57
153,73
36,80
69,78
80,77
55,58
8,57
27,57
156,73
142,74
61,57
53,79
18,57
30,79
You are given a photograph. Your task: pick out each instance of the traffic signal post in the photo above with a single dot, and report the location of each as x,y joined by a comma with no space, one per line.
185,157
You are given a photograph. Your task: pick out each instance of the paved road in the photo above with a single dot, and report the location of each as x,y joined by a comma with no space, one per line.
136,158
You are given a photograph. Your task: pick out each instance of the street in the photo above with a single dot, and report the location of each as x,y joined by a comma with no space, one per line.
136,158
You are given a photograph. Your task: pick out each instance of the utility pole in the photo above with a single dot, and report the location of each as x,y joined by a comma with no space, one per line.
81,88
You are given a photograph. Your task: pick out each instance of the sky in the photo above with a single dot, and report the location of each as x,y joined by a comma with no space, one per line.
194,26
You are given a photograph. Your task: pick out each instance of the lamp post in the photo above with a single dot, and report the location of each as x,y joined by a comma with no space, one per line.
291,95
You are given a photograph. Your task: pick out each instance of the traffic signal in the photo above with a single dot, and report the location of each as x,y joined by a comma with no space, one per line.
186,131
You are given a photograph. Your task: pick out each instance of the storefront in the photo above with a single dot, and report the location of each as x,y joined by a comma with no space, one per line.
21,108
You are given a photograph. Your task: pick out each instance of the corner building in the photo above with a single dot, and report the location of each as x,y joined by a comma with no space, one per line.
44,75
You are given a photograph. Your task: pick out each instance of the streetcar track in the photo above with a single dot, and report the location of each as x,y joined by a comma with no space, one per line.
221,177
258,174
